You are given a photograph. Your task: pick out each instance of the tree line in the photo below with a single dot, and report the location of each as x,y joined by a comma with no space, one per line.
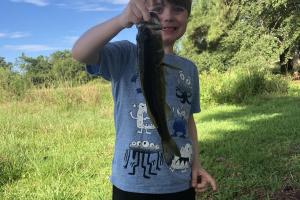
247,41
246,33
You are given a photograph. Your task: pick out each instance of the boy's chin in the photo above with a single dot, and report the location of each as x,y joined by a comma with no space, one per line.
169,41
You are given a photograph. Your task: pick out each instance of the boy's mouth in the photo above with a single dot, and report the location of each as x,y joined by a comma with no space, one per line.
169,28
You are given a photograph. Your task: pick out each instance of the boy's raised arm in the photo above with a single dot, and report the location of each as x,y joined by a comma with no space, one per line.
87,47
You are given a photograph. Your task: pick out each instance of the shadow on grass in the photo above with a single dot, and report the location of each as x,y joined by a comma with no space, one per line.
260,159
9,171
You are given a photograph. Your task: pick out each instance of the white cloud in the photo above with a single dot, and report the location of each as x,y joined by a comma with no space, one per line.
19,35
34,2
88,8
100,2
30,47
93,5
14,35
97,4
2,35
119,1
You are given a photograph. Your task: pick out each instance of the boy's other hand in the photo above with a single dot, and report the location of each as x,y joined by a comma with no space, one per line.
134,12
201,179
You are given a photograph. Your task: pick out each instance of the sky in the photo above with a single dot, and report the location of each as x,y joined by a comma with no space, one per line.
41,27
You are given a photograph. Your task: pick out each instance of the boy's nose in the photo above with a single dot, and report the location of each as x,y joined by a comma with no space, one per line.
167,14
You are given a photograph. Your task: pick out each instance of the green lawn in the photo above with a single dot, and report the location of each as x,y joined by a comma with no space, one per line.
64,151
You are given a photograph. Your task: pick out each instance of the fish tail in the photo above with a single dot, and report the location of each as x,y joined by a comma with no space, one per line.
170,149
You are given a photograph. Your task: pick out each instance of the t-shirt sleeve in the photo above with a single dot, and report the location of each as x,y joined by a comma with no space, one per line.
113,57
195,105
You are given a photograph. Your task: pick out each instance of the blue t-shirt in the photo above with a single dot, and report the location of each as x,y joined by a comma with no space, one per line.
138,164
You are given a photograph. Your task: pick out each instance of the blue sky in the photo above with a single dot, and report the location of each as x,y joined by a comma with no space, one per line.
40,27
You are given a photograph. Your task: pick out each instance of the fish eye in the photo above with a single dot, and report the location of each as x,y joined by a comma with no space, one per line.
145,144
138,143
152,145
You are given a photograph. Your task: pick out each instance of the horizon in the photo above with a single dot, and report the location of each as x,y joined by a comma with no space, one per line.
42,27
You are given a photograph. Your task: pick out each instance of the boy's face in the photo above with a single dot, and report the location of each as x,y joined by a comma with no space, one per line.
173,19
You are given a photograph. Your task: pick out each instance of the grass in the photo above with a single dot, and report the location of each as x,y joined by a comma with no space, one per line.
58,148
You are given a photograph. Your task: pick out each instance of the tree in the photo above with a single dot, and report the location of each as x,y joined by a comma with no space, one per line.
58,67
38,70
64,68
245,33
4,64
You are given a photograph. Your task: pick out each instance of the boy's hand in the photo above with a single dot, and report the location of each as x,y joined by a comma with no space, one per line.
201,179
134,12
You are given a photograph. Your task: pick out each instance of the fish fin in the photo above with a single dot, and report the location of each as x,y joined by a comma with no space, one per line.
170,150
171,66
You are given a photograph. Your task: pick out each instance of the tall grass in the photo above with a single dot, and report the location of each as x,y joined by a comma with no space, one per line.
239,85
58,144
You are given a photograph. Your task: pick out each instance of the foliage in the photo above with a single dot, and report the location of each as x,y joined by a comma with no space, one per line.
228,33
238,85
60,151
58,68
65,69
38,70
12,84
4,64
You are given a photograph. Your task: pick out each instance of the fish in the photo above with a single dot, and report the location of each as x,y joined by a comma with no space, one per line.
150,56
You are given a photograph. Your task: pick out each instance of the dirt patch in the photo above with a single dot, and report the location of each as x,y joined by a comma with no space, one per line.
287,193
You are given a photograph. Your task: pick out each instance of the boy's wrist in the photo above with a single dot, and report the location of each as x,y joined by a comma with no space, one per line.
122,22
196,161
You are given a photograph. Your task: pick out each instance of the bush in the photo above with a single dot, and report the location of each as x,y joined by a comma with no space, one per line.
238,85
12,85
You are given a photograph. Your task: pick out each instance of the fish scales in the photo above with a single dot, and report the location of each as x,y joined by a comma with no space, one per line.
151,69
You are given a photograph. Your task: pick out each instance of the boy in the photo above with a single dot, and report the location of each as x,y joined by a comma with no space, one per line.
138,169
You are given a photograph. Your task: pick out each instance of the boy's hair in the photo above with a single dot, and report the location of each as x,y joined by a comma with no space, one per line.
187,4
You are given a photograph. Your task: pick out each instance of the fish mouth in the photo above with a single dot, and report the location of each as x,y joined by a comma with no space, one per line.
154,23
151,25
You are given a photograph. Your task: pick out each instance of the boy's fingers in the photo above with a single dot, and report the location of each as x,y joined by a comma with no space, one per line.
208,180
201,190
203,184
201,187
212,183
142,8
137,14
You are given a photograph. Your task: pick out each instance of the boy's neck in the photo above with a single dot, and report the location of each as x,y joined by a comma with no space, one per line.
168,50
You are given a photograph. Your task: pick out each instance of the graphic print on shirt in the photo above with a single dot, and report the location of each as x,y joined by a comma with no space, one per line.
185,161
134,79
184,88
143,122
143,155
179,125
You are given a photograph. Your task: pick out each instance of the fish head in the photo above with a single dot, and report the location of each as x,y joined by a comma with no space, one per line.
147,30
149,39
